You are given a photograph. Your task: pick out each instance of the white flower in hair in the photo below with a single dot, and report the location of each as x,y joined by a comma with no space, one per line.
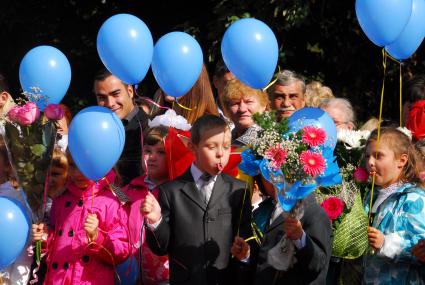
352,139
170,119
405,131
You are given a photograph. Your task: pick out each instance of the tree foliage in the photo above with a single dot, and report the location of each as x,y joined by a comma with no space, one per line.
320,39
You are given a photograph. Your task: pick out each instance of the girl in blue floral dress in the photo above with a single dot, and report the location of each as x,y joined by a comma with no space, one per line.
398,210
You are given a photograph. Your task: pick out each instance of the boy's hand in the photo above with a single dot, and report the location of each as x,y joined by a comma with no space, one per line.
90,226
419,250
293,228
150,209
376,238
240,248
38,231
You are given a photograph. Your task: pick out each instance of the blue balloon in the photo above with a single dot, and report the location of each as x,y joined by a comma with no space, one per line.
250,51
177,63
383,20
310,116
412,35
14,233
128,271
45,75
125,46
96,140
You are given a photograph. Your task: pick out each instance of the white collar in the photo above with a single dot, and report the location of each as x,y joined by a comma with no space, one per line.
197,173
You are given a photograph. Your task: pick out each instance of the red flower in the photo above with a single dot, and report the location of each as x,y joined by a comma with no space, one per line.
277,156
360,175
333,207
313,136
313,163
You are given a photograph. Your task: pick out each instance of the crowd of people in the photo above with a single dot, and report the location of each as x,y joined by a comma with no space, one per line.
176,205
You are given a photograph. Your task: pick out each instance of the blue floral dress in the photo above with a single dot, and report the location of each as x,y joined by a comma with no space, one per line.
401,218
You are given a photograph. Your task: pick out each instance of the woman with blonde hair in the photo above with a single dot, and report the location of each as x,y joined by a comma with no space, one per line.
197,102
240,103
316,93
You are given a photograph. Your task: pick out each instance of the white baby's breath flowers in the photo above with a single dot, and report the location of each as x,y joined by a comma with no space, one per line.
352,139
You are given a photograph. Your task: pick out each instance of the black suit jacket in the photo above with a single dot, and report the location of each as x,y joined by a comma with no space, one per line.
312,260
198,237
129,164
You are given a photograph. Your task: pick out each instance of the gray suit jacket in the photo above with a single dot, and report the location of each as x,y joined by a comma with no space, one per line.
198,237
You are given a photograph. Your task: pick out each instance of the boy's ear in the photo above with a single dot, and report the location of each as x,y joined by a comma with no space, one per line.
185,140
403,160
4,96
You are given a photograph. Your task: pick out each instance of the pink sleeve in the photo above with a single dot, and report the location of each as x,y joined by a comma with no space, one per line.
113,246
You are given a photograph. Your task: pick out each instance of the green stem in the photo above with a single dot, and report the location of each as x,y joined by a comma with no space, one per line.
38,251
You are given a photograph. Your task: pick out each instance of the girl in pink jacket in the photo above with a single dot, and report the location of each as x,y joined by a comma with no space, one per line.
88,235
165,157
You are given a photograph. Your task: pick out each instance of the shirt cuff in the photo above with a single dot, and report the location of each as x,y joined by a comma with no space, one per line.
300,243
153,227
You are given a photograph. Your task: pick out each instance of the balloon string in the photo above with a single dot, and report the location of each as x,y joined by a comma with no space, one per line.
155,104
384,64
401,97
273,81
181,106
110,255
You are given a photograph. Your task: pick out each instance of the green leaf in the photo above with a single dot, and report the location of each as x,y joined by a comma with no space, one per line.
38,149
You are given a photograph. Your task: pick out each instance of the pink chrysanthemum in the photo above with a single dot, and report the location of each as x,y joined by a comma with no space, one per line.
277,156
313,136
313,163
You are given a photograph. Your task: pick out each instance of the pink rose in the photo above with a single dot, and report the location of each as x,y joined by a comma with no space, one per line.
361,175
24,115
54,112
13,113
333,207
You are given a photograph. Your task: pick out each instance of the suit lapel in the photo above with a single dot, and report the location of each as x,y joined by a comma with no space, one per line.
218,191
191,191
277,222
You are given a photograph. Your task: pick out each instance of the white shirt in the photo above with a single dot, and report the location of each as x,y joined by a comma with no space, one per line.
197,173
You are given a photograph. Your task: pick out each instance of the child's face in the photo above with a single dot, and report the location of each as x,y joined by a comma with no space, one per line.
383,164
155,161
76,176
213,151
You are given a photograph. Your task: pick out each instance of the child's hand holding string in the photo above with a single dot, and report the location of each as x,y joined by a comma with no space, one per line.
150,209
240,248
376,238
91,227
39,232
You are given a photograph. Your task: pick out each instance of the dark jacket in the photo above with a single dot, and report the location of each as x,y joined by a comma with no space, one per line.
128,165
312,260
198,237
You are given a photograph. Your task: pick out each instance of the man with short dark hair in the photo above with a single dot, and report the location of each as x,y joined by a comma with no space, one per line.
117,96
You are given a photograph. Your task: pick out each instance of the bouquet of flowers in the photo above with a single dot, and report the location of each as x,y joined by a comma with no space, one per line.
30,140
296,162
343,202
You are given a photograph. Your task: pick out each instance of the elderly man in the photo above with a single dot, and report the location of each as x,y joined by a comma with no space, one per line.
341,112
114,94
287,94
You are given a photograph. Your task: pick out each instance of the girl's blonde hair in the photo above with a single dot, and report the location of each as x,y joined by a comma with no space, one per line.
400,144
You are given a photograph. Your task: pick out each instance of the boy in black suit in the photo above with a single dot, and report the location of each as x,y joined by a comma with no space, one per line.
200,213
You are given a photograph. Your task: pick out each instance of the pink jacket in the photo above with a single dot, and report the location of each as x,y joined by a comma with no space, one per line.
154,268
71,260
